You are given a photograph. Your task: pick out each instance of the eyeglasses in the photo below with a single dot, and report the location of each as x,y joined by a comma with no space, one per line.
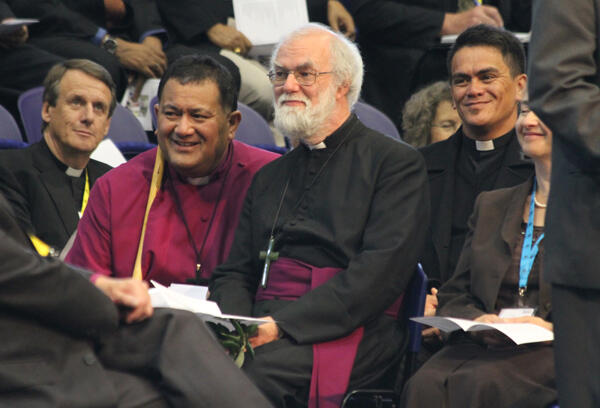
303,77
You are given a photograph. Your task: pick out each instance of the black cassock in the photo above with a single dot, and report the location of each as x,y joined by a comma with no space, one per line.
360,204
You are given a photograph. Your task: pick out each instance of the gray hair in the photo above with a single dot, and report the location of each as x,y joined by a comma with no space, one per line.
345,58
419,112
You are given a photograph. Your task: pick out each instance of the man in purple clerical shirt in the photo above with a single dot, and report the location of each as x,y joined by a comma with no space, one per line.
169,214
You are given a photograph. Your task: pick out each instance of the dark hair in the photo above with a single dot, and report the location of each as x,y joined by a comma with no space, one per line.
198,68
484,35
56,73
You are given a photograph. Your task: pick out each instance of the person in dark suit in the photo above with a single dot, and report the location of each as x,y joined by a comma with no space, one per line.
48,183
400,41
565,90
62,344
500,267
487,68
24,66
119,35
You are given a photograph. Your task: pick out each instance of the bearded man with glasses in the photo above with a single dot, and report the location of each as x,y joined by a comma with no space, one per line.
329,234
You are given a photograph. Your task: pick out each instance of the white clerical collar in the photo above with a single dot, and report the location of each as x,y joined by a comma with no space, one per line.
484,145
318,146
198,181
73,172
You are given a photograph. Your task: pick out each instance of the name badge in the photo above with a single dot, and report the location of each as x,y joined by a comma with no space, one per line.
517,312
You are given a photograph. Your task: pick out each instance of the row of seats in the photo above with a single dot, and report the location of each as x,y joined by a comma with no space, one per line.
129,136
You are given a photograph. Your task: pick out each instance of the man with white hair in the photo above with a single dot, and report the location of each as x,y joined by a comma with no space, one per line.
329,234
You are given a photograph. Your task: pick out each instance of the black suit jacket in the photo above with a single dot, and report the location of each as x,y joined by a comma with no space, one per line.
37,189
49,316
564,90
81,19
494,230
441,161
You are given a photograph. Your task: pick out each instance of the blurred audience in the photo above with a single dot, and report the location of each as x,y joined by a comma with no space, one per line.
429,116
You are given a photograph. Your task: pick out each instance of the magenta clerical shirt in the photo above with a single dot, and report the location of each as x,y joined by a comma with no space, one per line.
109,231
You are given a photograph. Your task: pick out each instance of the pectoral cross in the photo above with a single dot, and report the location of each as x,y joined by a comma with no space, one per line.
268,255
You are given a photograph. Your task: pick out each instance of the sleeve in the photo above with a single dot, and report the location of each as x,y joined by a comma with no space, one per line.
14,193
380,271
52,292
146,20
390,22
455,297
563,86
191,19
234,283
92,248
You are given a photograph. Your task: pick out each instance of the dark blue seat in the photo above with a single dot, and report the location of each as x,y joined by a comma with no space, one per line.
415,296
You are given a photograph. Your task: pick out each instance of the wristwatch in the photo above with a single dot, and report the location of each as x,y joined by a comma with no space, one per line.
109,44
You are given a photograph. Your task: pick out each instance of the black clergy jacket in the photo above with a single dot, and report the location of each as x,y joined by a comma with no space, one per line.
364,209
494,229
38,191
441,159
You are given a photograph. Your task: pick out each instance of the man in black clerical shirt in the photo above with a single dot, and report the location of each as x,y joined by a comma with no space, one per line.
487,77
329,234
48,183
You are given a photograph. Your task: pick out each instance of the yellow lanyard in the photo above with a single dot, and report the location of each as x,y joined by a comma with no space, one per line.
86,194
40,246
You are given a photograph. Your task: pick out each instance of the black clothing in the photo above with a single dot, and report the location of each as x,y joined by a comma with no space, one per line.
447,199
360,205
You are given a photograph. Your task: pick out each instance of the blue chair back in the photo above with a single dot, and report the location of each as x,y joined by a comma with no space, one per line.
253,129
376,120
416,295
10,135
30,109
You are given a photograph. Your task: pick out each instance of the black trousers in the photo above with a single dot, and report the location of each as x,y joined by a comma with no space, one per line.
576,314
176,358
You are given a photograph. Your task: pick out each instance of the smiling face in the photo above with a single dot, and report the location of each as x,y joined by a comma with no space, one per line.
485,92
79,120
193,130
534,136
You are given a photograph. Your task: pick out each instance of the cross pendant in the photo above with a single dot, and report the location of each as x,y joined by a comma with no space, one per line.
268,255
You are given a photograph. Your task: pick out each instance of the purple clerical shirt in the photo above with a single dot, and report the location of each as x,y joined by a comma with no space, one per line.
109,231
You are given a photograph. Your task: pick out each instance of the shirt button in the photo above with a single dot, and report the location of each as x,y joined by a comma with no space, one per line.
292,223
204,218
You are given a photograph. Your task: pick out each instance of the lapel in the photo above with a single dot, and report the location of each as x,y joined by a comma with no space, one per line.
441,169
515,169
53,180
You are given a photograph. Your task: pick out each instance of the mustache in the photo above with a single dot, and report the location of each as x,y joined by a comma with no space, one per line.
285,97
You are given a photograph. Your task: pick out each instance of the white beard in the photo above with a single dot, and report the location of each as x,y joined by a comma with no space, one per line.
301,124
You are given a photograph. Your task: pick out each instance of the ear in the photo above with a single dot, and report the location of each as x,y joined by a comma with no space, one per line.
46,112
233,123
521,86
156,109
342,90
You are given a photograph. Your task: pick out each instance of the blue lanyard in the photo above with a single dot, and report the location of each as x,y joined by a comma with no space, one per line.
529,251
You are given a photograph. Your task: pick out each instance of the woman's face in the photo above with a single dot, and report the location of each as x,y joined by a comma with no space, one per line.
534,136
445,122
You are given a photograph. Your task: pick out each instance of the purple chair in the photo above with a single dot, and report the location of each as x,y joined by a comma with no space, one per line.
10,135
255,131
376,120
